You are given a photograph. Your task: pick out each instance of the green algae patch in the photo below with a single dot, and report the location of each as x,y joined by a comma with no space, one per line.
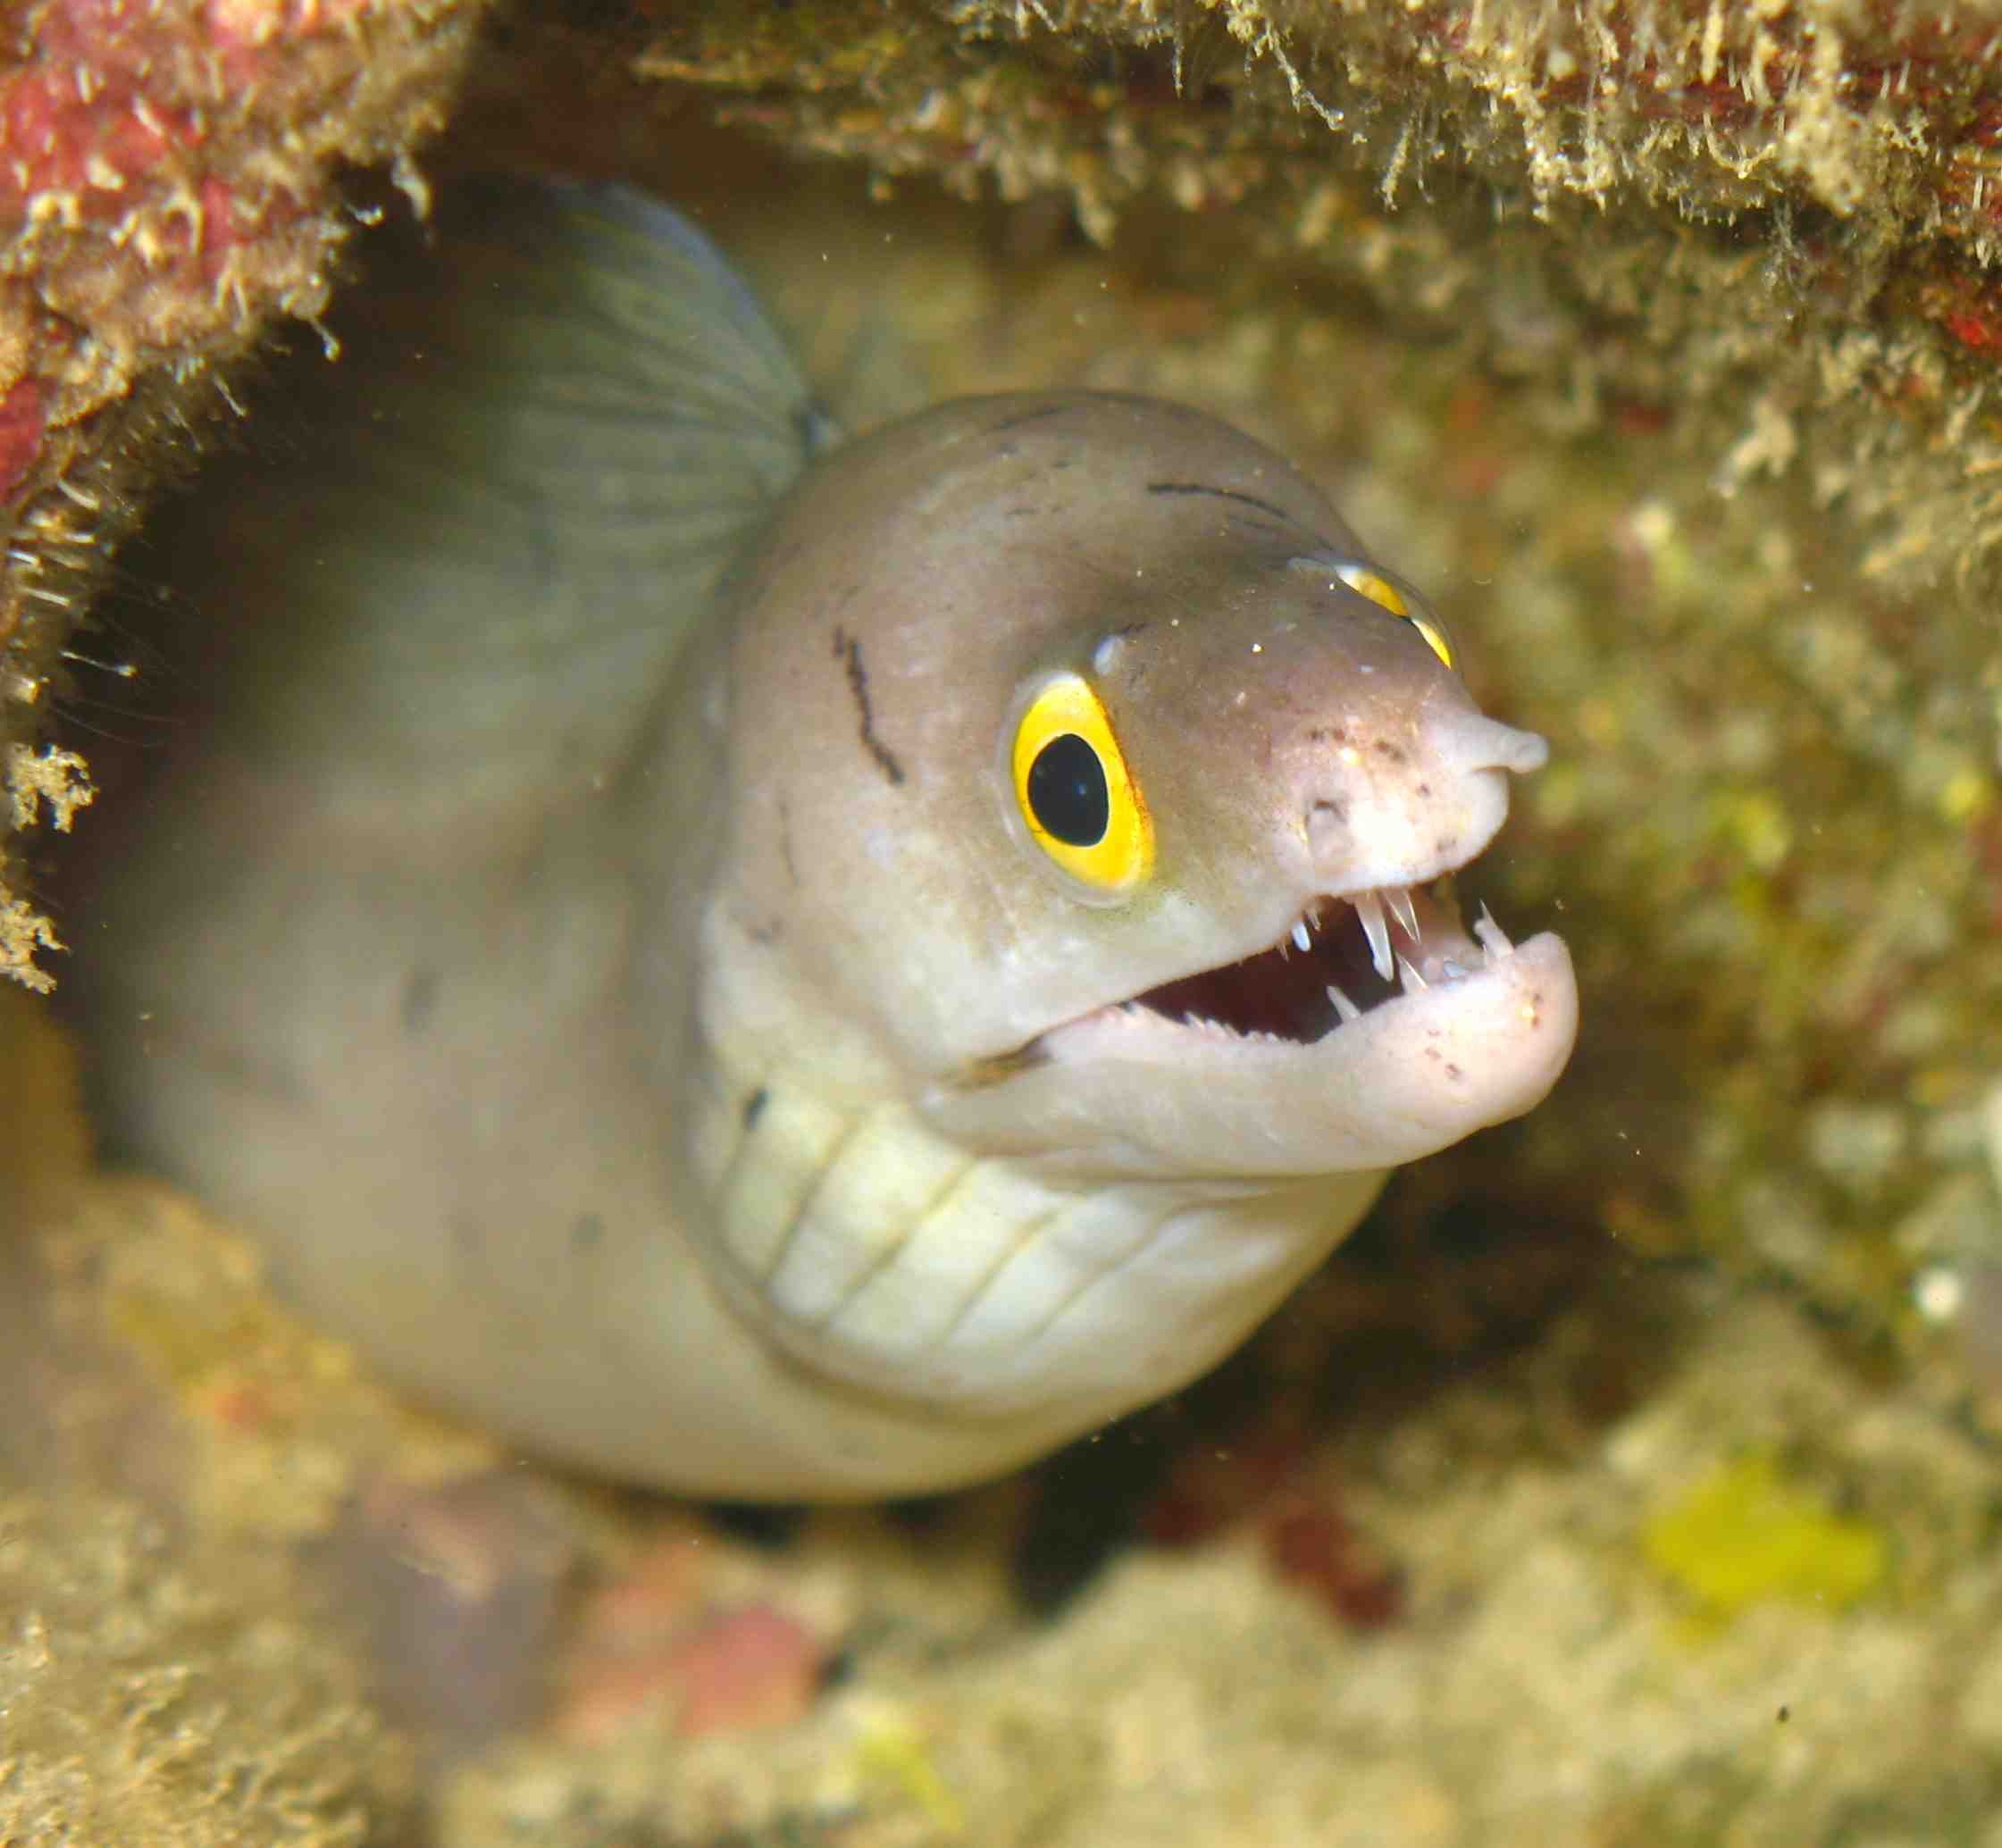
1746,1535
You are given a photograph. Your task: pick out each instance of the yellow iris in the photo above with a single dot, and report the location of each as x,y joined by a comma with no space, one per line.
1399,600
1074,791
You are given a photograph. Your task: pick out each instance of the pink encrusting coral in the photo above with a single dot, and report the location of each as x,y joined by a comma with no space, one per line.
663,1639
166,173
23,419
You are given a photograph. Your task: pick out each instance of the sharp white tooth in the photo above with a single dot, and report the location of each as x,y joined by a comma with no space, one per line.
1371,911
1398,898
1413,979
1346,1007
1491,938
1301,938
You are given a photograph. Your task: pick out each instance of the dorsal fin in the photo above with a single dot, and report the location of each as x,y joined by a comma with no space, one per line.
557,418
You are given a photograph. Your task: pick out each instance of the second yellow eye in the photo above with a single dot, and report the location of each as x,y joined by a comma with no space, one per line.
1400,600
1074,791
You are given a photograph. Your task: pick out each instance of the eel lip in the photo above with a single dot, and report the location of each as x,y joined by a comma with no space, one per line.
1129,1088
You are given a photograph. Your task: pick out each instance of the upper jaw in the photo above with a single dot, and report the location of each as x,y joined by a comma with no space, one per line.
1340,956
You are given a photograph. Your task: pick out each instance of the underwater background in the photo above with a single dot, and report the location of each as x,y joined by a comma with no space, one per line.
1632,1477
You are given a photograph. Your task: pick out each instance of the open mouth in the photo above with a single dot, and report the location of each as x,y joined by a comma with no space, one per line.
1344,956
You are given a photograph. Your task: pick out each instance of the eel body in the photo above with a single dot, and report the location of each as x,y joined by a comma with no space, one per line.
775,966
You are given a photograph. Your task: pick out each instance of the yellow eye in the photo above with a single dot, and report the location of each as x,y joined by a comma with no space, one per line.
1400,600
1074,791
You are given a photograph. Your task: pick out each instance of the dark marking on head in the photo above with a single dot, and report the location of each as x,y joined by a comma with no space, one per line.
849,652
1425,788
1248,500
1396,753
587,1231
1454,1073
1021,417
754,1107
1237,522
420,1000
785,847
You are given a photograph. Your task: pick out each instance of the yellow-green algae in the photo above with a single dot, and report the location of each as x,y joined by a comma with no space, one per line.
1747,1532
179,1700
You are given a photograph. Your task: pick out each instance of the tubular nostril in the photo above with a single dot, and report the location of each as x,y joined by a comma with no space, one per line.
1468,741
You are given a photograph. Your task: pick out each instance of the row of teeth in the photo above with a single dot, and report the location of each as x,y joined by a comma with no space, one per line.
1396,899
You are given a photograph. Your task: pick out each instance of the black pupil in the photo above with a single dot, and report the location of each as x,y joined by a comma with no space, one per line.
1067,792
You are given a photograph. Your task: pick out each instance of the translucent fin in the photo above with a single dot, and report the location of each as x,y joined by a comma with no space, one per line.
558,416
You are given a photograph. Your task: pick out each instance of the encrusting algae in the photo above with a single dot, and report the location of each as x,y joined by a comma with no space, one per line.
1745,1533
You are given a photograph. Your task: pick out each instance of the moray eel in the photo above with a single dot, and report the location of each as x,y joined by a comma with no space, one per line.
771,967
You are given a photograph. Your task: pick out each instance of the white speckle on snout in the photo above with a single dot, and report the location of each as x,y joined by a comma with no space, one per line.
1939,1293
